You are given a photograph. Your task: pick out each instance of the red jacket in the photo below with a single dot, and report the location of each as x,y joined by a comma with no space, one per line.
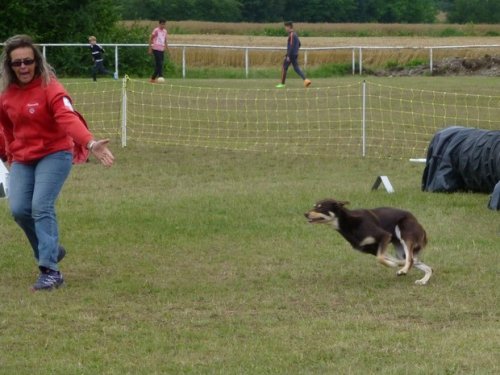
38,120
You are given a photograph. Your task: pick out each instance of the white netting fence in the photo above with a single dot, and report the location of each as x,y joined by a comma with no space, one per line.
402,121
288,121
100,103
349,120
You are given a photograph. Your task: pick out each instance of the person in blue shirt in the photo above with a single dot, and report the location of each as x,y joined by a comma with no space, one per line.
97,52
292,54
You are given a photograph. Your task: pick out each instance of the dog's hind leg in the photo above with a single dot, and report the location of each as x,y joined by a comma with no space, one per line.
382,257
426,269
399,260
408,253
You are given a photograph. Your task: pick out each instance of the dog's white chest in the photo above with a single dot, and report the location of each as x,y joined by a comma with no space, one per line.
367,241
334,221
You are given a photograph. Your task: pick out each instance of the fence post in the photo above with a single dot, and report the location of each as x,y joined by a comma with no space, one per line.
363,121
124,111
431,62
44,51
246,62
116,62
183,62
360,61
353,61
305,60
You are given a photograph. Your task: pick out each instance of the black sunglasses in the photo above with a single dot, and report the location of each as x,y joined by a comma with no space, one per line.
18,63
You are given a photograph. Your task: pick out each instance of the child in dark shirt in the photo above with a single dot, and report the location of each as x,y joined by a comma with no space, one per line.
97,52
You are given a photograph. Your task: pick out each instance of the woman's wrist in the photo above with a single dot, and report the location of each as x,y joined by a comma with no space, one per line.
91,145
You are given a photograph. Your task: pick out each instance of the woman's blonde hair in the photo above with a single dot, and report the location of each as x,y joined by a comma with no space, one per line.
7,75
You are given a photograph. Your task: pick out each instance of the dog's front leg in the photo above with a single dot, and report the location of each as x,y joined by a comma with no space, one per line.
426,269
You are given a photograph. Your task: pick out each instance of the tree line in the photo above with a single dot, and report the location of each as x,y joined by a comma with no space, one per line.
383,11
72,20
391,11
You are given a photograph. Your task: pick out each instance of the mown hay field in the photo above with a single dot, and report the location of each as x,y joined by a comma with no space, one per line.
404,49
325,29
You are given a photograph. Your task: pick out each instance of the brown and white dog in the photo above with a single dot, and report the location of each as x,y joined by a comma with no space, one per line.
371,230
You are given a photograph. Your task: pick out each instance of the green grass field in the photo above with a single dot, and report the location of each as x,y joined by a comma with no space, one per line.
187,260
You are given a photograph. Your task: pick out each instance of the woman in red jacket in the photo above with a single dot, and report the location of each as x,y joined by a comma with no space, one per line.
41,129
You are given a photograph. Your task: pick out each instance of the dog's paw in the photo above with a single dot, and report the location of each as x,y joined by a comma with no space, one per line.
420,282
401,273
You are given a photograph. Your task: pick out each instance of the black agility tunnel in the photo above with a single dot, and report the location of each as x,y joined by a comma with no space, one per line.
464,159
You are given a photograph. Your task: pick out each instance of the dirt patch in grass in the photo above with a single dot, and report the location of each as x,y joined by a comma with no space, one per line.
453,66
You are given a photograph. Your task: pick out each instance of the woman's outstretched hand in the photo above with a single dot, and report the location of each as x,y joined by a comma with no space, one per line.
102,153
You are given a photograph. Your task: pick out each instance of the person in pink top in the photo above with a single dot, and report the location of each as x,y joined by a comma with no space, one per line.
157,46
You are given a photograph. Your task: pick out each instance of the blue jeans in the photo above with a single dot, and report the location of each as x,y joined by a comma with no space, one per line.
33,190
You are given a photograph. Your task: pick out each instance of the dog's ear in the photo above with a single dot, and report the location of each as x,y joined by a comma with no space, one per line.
340,203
